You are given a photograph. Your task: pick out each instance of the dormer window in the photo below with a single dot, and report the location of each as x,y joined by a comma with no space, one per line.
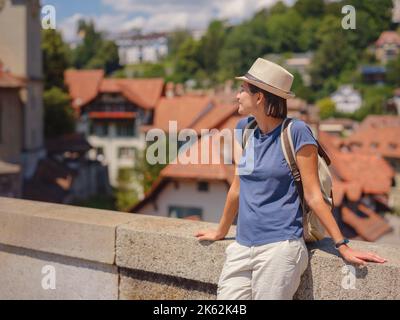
392,146
374,145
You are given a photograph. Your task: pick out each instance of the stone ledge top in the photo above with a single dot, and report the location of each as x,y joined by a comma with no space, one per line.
60,229
168,246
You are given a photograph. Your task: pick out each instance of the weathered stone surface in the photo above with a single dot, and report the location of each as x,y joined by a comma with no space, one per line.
327,276
155,258
139,285
21,276
169,247
62,229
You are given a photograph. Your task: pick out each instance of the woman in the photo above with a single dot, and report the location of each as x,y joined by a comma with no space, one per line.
269,255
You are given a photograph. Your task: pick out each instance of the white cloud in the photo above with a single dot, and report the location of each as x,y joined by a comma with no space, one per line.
68,26
162,15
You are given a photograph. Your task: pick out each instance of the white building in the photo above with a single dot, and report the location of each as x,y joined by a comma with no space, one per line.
135,48
346,99
110,113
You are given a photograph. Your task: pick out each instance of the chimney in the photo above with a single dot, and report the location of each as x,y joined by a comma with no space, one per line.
179,89
169,90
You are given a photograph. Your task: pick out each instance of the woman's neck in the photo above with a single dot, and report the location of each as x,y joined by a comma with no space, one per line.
266,123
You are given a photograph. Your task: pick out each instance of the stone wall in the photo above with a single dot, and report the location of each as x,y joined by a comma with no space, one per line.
99,254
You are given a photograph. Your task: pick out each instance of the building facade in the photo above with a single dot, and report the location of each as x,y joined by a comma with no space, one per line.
20,53
110,113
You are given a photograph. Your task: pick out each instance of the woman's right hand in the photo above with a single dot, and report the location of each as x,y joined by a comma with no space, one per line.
212,235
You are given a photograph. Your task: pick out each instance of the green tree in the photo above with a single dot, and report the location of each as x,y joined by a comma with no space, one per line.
278,8
188,60
58,114
310,8
283,31
300,89
393,71
126,196
94,51
210,46
56,58
374,100
243,44
176,39
326,108
106,58
334,54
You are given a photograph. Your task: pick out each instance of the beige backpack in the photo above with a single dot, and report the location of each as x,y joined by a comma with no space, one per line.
312,226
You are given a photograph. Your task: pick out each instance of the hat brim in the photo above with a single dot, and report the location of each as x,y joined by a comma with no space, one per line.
267,87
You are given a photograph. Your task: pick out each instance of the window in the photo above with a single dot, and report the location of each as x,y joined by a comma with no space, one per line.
100,129
392,146
374,145
184,212
126,129
127,153
202,186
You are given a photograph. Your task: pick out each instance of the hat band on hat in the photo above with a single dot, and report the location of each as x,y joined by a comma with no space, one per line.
251,77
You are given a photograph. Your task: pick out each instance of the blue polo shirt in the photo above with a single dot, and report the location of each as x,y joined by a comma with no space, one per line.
269,205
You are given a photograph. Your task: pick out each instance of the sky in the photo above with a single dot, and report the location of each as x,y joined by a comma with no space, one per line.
151,15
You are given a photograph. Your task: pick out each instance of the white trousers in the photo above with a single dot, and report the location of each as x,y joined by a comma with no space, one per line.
265,272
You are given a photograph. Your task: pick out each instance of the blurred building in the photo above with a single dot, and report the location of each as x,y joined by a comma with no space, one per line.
346,99
338,126
373,74
21,57
110,114
387,46
67,174
301,62
379,135
134,47
11,134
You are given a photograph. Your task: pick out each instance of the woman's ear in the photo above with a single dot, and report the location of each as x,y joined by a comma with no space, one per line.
260,98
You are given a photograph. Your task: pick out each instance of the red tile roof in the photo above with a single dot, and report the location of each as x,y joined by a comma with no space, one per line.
371,227
215,117
184,109
383,141
210,171
388,37
371,172
8,80
85,85
380,121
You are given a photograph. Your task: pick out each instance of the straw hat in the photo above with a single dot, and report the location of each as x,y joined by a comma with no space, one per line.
270,77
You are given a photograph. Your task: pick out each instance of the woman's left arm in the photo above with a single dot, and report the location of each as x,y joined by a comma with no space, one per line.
307,162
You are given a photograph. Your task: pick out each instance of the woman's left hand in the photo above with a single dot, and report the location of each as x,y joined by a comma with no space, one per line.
359,257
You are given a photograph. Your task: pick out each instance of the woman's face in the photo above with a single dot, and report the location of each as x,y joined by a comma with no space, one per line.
247,100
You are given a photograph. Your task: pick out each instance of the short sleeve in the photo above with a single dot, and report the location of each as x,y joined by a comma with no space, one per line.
302,135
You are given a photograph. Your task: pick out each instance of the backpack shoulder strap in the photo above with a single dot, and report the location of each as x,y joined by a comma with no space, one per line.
288,152
247,132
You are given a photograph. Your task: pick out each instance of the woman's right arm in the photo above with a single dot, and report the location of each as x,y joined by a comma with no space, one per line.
228,215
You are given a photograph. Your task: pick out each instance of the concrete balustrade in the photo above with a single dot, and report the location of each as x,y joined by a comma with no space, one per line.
100,254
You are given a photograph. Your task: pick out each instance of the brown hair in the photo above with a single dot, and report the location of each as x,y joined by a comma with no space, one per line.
275,106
